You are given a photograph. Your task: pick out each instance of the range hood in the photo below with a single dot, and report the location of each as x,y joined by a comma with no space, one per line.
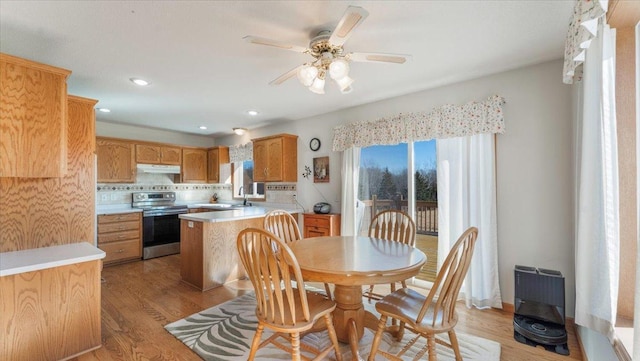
157,168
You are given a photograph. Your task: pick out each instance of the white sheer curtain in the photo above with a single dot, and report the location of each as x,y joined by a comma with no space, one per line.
350,174
467,197
597,205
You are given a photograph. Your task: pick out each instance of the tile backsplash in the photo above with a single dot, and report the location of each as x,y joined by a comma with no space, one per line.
277,194
120,193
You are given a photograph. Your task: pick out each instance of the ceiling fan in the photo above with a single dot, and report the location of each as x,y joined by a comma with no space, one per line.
329,56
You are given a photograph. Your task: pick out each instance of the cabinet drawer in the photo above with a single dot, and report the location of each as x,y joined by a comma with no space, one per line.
119,236
119,227
118,251
317,222
120,217
315,232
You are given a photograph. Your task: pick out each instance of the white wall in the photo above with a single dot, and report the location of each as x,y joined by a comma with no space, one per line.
115,130
534,177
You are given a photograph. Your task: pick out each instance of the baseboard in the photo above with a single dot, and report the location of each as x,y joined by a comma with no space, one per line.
508,307
621,351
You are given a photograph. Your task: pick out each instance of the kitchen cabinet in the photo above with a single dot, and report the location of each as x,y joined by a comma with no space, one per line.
120,236
33,119
41,212
318,225
158,154
194,165
275,158
50,302
216,156
116,161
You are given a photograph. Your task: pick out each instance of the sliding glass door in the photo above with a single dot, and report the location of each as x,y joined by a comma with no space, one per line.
402,177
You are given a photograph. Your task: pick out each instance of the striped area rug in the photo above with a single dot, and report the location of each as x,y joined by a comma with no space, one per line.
225,332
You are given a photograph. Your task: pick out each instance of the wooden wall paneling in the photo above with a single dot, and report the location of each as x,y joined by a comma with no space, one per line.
208,251
191,254
41,212
33,119
50,314
222,264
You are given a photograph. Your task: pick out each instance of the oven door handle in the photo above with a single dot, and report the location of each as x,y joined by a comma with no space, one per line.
163,213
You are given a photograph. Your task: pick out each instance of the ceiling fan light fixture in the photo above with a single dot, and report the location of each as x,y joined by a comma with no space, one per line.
307,74
344,84
317,86
338,69
239,131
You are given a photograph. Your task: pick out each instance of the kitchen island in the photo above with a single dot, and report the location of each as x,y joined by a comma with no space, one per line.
208,252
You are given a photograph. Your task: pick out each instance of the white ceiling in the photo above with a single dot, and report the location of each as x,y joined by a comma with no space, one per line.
203,73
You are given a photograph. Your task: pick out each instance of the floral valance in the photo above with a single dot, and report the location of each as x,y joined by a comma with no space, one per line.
241,153
447,121
582,29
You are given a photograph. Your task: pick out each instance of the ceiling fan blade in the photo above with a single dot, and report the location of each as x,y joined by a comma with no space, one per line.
379,57
286,76
274,43
353,17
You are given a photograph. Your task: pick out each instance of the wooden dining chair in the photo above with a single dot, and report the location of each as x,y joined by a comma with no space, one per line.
394,225
282,224
435,313
281,307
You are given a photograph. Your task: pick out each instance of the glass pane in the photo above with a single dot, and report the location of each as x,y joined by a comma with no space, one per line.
383,181
426,203
243,184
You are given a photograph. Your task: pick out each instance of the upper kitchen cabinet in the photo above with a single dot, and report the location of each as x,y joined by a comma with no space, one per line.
216,156
33,119
116,161
158,154
275,158
194,165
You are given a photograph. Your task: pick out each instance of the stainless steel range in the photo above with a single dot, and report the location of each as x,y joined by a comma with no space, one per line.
161,225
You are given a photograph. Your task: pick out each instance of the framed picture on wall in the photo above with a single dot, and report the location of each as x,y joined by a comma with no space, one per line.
321,170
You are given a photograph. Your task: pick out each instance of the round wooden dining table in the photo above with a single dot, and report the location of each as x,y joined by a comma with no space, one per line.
350,262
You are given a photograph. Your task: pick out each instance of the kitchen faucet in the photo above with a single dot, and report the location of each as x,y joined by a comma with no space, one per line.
241,193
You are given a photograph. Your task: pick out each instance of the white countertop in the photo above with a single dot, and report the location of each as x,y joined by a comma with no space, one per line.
232,215
116,208
37,259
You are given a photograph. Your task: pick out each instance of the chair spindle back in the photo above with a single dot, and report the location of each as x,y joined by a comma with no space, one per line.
395,225
283,225
444,293
272,268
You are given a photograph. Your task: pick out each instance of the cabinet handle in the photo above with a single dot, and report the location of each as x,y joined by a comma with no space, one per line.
121,236
120,250
265,171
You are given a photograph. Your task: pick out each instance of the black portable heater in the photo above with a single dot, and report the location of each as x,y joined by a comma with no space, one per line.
539,314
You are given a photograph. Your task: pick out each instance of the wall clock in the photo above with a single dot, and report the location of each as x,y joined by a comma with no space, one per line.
314,144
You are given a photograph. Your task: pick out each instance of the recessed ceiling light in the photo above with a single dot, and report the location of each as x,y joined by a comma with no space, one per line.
203,127
140,82
104,110
252,112
239,131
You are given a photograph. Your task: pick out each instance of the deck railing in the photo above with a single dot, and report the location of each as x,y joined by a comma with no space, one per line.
426,216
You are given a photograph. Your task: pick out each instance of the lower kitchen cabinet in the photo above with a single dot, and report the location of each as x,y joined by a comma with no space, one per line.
120,236
318,225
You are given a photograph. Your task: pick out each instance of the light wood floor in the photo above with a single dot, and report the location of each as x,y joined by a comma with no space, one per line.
139,298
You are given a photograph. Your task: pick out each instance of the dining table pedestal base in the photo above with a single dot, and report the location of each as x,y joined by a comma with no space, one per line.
348,306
